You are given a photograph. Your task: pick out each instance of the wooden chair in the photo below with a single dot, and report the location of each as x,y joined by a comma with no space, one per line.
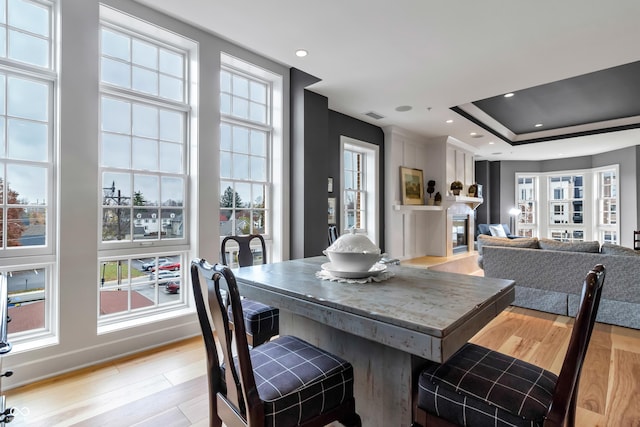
636,240
284,382
481,387
262,322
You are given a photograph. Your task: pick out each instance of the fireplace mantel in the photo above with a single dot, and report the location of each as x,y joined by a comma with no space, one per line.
447,201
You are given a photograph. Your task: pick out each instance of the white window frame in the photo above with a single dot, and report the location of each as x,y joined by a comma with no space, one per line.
523,227
590,229
601,227
32,258
277,161
371,179
143,249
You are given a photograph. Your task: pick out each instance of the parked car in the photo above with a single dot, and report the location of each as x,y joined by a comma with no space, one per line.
172,287
172,266
164,275
147,266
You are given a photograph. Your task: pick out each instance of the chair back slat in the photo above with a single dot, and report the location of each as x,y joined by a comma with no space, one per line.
245,256
333,234
220,281
566,390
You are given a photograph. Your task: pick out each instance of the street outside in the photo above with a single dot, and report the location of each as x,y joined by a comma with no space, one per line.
28,285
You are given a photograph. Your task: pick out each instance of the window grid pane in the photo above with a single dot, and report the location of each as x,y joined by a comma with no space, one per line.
132,140
244,97
135,284
24,162
139,65
27,33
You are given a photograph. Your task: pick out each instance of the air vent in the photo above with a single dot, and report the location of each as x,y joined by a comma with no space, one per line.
374,115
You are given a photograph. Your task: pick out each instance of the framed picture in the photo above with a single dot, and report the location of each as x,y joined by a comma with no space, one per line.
332,210
330,185
412,184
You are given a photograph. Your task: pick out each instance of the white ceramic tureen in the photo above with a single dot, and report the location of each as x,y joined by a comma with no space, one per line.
353,252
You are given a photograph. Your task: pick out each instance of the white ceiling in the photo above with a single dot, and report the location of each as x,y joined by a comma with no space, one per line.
376,55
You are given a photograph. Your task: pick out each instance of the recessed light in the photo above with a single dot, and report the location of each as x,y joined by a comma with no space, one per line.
450,121
538,125
301,53
473,134
491,142
508,95
404,108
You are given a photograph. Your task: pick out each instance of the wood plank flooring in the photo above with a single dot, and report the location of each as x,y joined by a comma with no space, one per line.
167,386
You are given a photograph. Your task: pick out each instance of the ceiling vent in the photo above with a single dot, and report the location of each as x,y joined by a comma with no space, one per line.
374,115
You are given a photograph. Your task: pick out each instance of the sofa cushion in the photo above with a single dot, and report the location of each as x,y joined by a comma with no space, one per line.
485,228
497,231
611,249
524,242
554,245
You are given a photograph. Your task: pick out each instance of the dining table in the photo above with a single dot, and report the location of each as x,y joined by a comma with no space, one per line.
388,327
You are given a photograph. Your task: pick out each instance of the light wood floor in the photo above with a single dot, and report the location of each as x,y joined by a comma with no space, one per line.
167,386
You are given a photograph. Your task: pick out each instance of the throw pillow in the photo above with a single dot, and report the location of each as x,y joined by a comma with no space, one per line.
497,231
554,245
611,249
523,242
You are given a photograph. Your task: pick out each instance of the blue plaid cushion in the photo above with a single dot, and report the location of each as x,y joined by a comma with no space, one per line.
481,387
260,320
298,381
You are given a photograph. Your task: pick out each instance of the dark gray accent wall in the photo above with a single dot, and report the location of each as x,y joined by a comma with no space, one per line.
315,156
343,125
309,124
482,178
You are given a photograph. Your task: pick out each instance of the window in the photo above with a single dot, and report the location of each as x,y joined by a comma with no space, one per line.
566,207
354,190
26,34
359,187
580,205
527,192
27,145
144,117
607,206
245,145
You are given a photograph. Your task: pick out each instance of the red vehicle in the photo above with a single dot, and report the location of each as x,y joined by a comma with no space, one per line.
168,266
172,287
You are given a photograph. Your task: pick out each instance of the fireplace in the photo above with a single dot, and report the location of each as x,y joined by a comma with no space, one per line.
459,236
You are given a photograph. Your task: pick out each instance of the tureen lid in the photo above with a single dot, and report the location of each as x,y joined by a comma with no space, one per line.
352,242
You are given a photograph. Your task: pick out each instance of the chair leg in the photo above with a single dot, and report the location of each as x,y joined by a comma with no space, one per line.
351,420
420,417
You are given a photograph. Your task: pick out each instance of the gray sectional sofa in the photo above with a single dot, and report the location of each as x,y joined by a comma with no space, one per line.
549,275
